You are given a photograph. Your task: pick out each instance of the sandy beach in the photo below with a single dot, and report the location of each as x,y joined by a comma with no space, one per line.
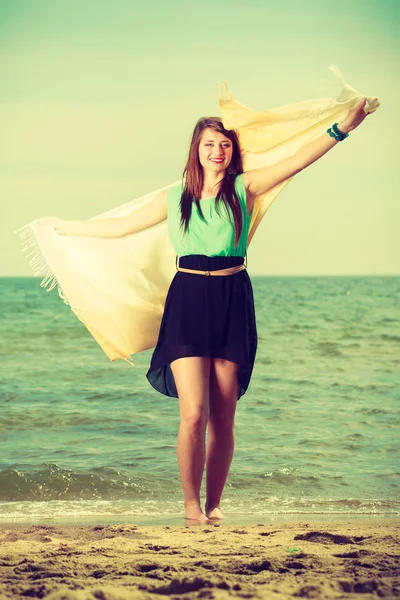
307,559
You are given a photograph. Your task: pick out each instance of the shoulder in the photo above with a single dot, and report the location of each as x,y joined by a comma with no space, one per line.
246,178
175,190
240,186
239,182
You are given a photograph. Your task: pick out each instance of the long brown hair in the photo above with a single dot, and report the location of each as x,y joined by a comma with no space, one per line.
194,179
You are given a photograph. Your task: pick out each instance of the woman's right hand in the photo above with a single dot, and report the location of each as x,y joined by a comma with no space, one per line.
53,222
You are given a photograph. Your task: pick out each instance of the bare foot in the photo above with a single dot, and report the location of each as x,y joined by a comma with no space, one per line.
197,522
214,513
193,512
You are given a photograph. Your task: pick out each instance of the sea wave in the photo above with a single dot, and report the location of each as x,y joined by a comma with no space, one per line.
233,506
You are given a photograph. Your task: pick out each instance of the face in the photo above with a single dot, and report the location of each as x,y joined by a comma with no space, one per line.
215,151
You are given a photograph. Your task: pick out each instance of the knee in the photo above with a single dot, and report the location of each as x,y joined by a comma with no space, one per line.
194,423
222,424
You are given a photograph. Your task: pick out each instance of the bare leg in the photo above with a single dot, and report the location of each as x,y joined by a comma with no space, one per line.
224,392
192,375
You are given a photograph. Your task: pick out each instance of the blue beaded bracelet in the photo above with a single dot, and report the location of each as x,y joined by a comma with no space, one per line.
336,133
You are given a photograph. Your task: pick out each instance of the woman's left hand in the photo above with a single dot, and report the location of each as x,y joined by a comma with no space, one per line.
356,115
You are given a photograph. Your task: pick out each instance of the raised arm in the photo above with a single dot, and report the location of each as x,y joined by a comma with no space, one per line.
114,227
259,181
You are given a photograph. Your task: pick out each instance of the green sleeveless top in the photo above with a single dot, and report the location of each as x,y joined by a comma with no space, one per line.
212,237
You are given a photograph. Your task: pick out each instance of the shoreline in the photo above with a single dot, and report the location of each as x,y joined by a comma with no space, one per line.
309,558
179,520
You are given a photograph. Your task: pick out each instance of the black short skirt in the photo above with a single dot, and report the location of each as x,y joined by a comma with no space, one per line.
204,315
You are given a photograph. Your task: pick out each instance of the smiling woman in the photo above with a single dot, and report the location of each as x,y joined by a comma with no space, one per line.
208,338
202,323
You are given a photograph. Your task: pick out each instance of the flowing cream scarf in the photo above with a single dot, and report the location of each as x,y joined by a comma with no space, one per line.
117,287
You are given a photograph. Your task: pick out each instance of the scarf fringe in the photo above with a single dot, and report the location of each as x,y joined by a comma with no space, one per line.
37,260
335,70
223,92
128,360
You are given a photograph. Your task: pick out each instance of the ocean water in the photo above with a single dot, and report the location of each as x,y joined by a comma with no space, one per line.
316,432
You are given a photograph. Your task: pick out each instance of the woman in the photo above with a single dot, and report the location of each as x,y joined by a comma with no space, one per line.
207,340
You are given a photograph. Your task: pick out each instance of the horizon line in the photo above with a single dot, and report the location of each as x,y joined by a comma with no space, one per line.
255,275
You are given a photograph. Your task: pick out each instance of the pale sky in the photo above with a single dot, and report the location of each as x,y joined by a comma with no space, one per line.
99,99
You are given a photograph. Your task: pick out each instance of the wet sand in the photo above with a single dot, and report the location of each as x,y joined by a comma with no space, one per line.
307,559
